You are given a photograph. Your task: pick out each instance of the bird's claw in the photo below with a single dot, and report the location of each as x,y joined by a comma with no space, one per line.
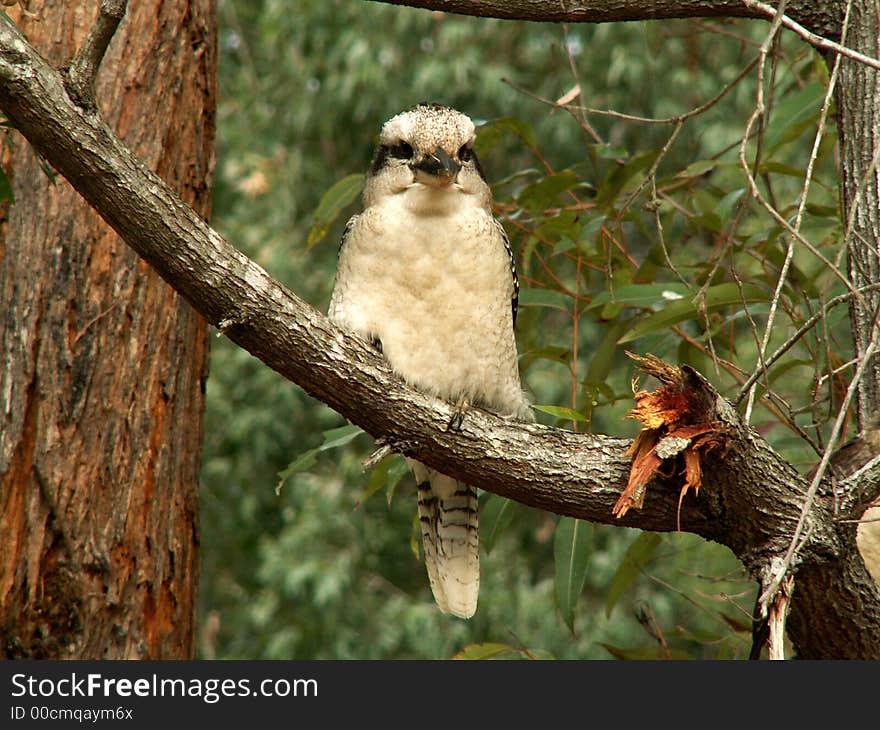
458,413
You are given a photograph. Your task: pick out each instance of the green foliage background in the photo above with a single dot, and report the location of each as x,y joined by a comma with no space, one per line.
327,567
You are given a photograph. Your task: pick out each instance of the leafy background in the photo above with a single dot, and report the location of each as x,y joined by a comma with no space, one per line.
629,235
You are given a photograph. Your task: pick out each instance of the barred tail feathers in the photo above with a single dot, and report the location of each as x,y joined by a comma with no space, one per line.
450,536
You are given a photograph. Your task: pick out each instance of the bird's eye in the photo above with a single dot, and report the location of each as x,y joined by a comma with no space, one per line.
402,149
464,153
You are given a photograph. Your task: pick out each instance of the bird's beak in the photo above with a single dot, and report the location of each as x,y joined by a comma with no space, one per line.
437,168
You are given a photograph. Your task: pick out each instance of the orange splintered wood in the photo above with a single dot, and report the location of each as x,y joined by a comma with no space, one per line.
678,421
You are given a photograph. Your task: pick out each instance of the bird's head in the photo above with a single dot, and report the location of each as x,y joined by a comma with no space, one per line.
429,145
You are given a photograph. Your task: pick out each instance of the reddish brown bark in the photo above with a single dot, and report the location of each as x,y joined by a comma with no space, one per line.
102,365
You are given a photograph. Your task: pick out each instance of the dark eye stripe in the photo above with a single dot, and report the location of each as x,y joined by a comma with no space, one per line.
403,150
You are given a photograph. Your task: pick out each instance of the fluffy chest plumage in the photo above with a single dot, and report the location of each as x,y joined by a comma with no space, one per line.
436,254
432,282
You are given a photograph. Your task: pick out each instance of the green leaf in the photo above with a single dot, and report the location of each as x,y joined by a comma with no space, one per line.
551,352
717,297
47,169
780,168
494,650
600,367
487,650
736,623
543,194
621,174
567,414
516,177
709,221
556,225
496,514
306,460
387,473
377,480
538,297
491,133
333,438
641,296
637,555
608,152
700,167
571,552
792,115
398,469
340,436
334,201
646,652
823,211
724,207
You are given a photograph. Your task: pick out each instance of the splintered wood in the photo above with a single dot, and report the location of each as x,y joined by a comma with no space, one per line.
679,425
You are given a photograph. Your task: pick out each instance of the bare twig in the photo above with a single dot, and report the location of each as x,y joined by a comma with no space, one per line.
789,249
696,111
792,341
814,40
652,173
80,77
654,206
753,189
781,571
757,117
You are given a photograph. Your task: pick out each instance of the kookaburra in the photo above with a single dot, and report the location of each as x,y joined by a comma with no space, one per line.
427,275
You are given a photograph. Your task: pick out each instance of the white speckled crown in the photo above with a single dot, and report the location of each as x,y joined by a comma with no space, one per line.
429,126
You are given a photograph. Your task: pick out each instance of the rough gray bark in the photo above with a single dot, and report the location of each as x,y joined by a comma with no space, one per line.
859,122
751,498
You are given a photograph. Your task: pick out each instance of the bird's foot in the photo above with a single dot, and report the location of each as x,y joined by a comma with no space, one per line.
458,413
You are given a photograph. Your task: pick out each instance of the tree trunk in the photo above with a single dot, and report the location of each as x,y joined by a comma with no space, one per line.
102,364
859,124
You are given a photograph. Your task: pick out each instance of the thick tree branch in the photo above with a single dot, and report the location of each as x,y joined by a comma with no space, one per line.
810,14
751,498
84,66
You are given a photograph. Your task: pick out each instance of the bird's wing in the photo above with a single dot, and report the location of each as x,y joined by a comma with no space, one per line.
514,299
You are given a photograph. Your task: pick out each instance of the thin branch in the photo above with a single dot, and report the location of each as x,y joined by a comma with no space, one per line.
781,571
789,249
696,111
792,341
83,69
652,173
814,40
757,116
753,189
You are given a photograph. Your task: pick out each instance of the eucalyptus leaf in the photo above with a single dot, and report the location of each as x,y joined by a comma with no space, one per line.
567,414
640,551
717,297
496,514
340,195
571,553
